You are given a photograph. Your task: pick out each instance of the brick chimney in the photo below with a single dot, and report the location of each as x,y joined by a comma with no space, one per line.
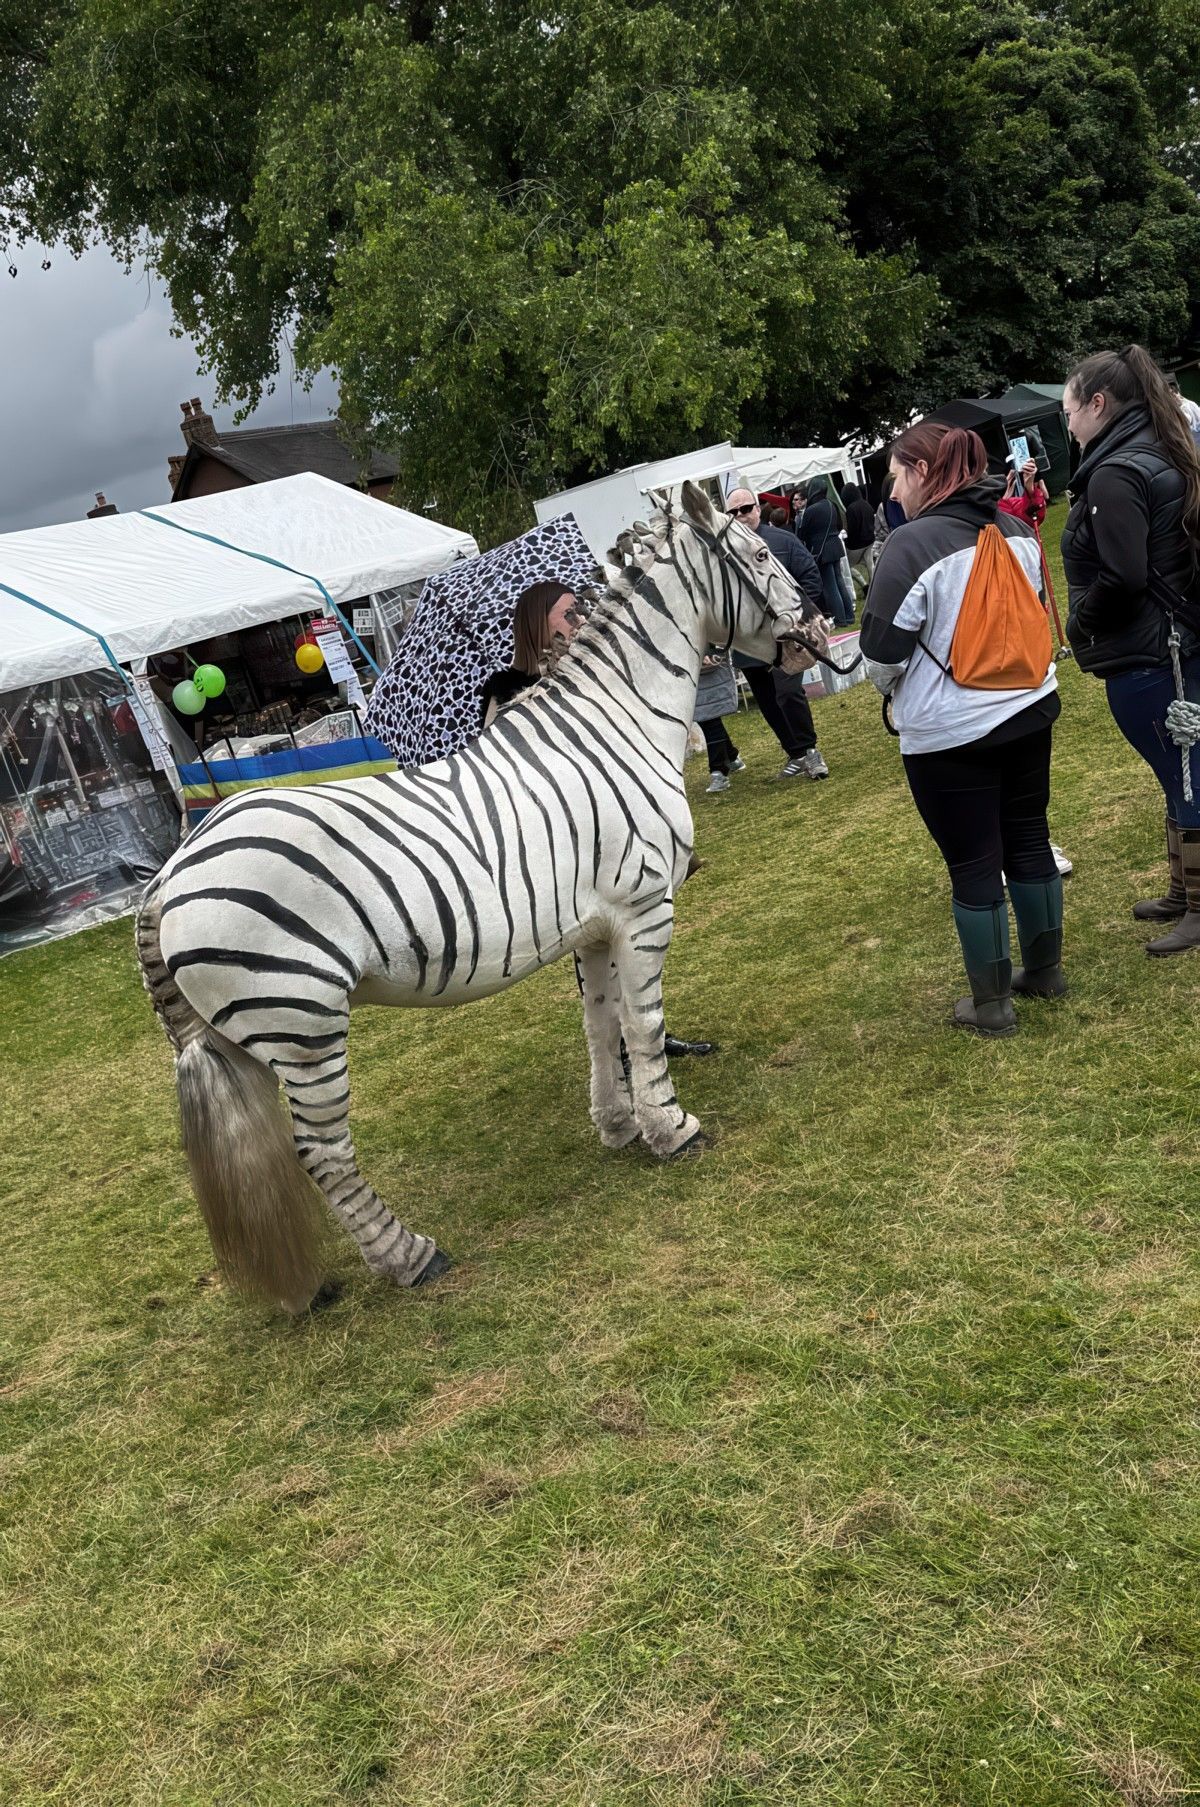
196,426
102,507
175,464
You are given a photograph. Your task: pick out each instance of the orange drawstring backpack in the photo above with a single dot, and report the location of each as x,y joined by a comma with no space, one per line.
1002,635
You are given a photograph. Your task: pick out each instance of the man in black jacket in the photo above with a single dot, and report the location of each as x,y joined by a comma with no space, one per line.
781,697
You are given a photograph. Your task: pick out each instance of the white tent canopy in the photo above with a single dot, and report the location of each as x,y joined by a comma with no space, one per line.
147,587
771,467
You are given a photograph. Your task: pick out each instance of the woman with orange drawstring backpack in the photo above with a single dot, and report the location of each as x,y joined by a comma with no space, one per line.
956,636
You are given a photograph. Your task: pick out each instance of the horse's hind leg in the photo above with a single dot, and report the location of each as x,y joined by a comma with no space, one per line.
612,1106
318,1090
639,953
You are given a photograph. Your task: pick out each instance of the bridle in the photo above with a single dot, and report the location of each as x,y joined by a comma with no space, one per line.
772,615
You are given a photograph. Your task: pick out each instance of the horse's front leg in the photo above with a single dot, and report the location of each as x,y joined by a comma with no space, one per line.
639,949
612,1108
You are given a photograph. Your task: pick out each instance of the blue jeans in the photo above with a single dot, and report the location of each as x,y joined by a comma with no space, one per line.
1138,700
837,608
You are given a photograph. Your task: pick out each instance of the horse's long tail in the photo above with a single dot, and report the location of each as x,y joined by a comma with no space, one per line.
255,1198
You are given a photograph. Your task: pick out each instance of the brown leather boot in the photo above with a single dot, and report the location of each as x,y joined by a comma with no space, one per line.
1171,907
1186,933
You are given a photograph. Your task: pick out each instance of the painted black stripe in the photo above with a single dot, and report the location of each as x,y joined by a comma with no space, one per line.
485,754
447,921
591,751
275,913
566,706
507,728
538,723
630,733
253,962
453,782
309,1005
290,806
465,890
498,748
305,1085
295,856
325,1104
470,762
620,667
414,784
293,1039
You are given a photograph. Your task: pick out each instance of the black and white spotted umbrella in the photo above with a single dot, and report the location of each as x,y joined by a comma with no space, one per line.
425,705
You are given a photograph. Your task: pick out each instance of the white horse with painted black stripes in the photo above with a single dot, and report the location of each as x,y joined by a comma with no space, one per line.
564,827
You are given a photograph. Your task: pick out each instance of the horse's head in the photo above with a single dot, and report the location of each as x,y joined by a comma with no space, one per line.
752,602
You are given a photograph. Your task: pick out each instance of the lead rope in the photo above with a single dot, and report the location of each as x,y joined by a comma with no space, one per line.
1183,718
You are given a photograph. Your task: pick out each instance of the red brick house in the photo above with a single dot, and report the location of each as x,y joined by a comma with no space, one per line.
218,461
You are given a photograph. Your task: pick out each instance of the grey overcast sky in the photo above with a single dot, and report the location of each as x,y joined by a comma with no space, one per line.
92,382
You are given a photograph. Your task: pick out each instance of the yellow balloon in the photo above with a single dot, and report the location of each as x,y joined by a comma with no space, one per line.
309,658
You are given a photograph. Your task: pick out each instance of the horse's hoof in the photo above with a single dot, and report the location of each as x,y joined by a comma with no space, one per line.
694,1145
438,1264
327,1294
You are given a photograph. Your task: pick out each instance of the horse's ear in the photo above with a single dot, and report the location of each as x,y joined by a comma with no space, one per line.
661,501
698,508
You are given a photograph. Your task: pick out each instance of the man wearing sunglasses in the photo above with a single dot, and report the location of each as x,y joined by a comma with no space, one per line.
781,697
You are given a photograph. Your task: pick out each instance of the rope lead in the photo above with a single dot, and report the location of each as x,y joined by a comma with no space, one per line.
1183,718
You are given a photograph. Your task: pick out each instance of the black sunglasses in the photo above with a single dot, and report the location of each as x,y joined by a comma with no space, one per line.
746,508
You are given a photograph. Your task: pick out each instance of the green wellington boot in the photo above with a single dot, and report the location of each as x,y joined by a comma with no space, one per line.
984,938
1038,909
1186,933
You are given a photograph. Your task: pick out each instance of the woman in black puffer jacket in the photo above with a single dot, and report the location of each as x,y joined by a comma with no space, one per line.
1129,554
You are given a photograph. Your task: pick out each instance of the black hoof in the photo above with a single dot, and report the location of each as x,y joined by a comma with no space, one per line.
694,1145
327,1294
675,1047
438,1264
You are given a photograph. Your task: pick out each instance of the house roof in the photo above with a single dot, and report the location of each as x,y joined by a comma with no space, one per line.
262,454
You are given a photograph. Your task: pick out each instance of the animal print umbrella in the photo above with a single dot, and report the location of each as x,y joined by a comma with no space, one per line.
425,706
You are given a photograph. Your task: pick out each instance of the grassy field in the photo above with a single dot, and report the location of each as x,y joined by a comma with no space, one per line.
853,1463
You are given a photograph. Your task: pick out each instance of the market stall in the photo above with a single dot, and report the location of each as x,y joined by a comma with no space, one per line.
141,652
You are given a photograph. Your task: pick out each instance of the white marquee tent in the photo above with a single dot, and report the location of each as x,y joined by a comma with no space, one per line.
764,468
148,582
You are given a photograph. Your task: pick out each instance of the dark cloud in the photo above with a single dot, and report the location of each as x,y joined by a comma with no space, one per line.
93,380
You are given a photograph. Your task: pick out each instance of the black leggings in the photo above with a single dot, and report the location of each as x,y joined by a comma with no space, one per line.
721,750
985,806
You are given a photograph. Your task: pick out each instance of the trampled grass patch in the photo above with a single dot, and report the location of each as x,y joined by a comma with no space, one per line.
855,1462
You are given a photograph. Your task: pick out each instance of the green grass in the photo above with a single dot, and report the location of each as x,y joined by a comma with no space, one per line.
855,1462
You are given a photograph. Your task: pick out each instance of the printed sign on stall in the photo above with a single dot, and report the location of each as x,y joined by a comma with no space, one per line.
144,704
337,658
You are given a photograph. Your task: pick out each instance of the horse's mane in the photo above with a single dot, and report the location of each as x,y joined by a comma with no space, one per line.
628,561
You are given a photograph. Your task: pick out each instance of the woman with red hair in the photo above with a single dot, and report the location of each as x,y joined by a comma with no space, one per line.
977,759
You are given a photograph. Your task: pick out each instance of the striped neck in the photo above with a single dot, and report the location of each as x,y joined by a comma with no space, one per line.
638,655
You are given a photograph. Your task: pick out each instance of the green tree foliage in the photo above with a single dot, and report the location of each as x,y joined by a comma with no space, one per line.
538,241
1024,162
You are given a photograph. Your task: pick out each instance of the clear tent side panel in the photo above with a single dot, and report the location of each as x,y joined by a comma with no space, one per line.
85,818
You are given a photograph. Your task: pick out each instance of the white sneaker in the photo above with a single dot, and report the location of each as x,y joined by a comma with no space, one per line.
718,782
739,765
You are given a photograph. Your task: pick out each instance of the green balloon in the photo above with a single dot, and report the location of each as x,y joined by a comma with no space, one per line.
187,699
209,680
